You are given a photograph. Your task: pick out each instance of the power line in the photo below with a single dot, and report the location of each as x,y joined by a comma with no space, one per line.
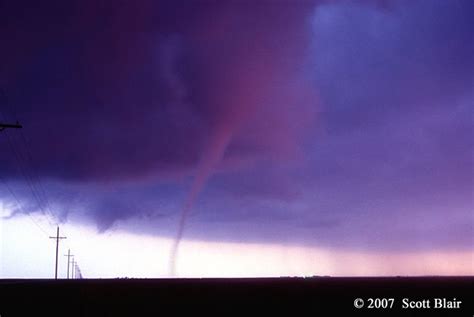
26,167
3,126
31,179
20,206
35,174
24,172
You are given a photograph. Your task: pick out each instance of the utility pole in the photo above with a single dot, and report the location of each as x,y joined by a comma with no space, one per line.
69,255
78,272
4,126
57,237
73,263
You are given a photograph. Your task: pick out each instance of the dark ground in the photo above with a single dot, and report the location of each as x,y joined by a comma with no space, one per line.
318,296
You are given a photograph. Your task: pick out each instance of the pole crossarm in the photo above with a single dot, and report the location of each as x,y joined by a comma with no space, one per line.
4,126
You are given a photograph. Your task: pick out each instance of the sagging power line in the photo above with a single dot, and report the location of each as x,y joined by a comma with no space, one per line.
20,148
24,160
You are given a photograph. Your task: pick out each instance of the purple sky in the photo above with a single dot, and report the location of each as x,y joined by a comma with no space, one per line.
345,124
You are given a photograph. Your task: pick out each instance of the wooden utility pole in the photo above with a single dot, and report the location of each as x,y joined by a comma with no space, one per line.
78,272
69,255
73,263
57,237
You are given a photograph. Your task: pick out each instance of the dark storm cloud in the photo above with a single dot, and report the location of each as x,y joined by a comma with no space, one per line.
124,94
345,123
